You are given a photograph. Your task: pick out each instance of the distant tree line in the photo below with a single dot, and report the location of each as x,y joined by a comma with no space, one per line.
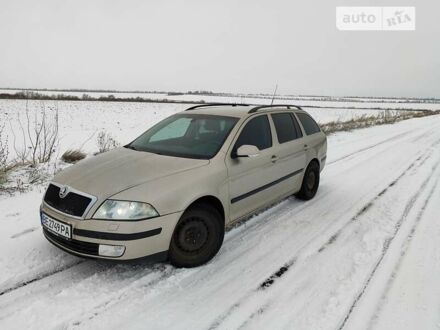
34,95
29,95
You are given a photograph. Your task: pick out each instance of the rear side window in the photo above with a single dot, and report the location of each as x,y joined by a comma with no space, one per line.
256,133
310,126
285,127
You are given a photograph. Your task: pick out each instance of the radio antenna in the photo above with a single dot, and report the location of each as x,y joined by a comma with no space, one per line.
274,93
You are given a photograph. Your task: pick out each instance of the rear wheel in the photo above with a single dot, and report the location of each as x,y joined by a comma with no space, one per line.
197,237
310,182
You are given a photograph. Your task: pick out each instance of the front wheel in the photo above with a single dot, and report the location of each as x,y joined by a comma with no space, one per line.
310,182
197,237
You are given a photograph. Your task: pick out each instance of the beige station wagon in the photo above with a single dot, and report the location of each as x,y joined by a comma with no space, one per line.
170,193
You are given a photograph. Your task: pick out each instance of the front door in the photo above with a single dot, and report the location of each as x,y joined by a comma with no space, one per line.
250,177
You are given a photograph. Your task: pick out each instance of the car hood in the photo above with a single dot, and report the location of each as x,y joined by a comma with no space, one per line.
120,169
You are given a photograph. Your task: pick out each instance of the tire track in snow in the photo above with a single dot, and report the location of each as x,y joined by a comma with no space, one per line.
402,256
422,160
22,284
373,201
280,272
387,243
25,232
255,314
266,284
163,273
396,137
158,273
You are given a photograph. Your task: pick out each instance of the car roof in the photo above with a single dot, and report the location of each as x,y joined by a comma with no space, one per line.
238,110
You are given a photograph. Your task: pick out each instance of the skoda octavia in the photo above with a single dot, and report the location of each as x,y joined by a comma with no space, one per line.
171,192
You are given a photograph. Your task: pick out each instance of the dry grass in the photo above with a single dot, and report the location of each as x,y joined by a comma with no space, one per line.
37,139
73,156
386,117
106,142
3,178
4,151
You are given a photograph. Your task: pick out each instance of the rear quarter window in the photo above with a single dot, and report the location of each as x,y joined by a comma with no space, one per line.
309,124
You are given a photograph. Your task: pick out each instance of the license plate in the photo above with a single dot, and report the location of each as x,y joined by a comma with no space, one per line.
56,227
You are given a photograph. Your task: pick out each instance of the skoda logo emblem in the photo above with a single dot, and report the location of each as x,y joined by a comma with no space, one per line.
64,191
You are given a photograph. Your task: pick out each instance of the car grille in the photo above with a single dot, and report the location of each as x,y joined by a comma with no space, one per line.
74,245
73,204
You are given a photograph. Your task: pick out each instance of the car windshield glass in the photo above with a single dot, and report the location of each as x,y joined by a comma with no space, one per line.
189,136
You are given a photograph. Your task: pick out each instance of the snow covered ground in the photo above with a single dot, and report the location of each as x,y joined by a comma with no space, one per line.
363,254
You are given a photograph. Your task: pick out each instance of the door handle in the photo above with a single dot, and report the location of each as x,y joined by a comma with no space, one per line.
274,159
306,147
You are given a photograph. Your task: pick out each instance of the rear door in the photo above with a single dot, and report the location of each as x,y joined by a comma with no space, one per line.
314,140
290,160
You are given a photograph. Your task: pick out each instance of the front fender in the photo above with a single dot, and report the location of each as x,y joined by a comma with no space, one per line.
176,192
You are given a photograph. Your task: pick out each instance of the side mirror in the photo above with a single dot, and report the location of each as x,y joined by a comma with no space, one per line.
247,150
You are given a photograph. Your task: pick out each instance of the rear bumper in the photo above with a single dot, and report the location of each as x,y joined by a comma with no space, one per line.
140,239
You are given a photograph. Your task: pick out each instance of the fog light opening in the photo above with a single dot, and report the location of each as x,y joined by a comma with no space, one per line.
111,250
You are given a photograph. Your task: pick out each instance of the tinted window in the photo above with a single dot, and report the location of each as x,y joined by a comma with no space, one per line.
284,125
256,133
310,126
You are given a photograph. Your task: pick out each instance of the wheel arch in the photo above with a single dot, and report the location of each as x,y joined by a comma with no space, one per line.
212,201
315,160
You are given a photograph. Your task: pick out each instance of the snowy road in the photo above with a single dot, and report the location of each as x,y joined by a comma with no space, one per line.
363,254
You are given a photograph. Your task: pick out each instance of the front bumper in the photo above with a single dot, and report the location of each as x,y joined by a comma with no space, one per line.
140,238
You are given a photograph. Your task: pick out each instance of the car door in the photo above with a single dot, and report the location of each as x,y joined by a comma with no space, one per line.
290,160
250,178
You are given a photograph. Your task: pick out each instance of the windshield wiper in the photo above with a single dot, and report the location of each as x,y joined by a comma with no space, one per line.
130,147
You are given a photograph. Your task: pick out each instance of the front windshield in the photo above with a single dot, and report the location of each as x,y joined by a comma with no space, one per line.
189,136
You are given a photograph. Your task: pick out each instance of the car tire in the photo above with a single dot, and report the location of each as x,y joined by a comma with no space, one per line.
197,237
310,182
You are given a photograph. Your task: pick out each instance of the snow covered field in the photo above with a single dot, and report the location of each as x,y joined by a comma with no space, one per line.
363,254
321,101
81,121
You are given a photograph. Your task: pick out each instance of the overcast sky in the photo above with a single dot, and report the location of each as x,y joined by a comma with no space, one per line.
219,45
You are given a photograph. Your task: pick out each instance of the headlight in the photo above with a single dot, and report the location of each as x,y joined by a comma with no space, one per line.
125,210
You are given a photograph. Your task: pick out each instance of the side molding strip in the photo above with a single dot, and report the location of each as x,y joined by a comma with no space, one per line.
116,236
253,192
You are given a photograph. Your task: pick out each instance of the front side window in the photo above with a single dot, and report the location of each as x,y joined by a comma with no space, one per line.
310,126
285,127
189,136
256,133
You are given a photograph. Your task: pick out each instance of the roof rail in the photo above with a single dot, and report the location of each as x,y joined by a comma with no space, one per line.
215,105
287,106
